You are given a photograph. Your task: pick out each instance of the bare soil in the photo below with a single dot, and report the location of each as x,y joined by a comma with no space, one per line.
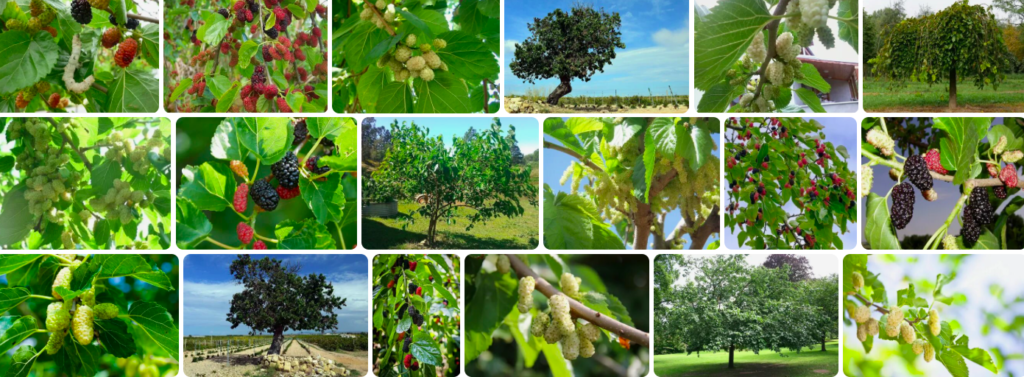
243,364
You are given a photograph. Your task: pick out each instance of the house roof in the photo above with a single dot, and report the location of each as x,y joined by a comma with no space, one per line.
831,69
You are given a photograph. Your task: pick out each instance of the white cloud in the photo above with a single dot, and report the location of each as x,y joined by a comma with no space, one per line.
510,47
672,38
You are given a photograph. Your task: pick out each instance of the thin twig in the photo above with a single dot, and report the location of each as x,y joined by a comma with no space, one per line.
570,152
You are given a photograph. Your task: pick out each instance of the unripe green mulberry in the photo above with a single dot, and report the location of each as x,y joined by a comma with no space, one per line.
57,317
918,346
63,279
416,63
1000,145
402,75
552,334
586,348
539,324
571,346
590,332
560,313
929,352
757,52
410,40
1012,156
381,4
403,54
106,311
55,342
893,321
67,241
949,242
503,264
526,286
934,323
776,73
440,43
81,327
907,332
89,297
858,280
867,177
861,314
569,284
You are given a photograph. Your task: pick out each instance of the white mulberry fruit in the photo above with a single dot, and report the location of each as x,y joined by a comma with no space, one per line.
410,40
63,279
415,63
1013,156
880,140
571,346
57,317
590,332
106,311
784,41
918,346
929,352
872,325
560,313
776,73
861,314
403,54
81,326
402,75
756,52
814,13
858,280
503,264
862,332
552,333
89,297
427,74
867,176
746,99
934,322
907,332
433,61
55,342
893,321
570,284
440,43
539,324
526,286
586,348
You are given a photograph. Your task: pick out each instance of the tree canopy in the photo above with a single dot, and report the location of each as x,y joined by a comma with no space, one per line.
799,267
568,45
276,299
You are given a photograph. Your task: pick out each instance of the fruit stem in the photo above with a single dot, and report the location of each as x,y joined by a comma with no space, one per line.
223,246
65,260
932,244
268,239
41,297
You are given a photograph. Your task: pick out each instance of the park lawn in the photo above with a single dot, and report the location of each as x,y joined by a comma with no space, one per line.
809,362
506,233
920,97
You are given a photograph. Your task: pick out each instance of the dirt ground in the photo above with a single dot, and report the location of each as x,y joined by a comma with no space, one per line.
242,364
541,108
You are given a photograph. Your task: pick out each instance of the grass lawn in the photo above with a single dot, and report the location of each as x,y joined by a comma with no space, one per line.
919,97
498,233
809,362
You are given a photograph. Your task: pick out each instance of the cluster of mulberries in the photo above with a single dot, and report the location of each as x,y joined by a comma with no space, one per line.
312,165
381,13
287,170
405,63
902,205
917,172
417,318
264,195
120,200
526,286
977,214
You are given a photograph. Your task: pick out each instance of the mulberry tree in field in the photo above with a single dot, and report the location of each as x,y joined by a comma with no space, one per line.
969,46
567,46
277,299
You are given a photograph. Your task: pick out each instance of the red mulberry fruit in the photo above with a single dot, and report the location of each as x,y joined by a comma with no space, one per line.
286,193
111,37
241,197
1009,176
126,52
283,105
902,205
934,160
244,233
259,245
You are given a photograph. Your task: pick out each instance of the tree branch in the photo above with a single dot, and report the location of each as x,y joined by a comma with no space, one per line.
143,18
711,226
578,309
978,182
570,152
773,33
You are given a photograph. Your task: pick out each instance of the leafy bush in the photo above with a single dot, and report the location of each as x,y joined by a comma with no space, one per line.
85,183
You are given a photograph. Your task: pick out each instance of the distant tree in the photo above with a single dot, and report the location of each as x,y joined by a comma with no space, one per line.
1013,8
277,299
533,156
517,155
470,134
567,46
799,267
376,141
925,10
821,293
870,40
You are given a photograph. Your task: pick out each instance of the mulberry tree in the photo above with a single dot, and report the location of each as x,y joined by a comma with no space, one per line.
568,45
277,299
970,46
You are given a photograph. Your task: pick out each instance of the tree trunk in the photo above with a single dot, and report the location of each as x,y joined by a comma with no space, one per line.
564,88
732,351
642,220
952,88
275,345
431,231
823,344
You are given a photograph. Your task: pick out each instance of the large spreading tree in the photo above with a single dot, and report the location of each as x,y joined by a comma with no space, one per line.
960,42
730,305
277,299
567,46
477,173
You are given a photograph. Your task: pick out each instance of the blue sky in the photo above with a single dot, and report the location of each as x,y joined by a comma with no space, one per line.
975,279
556,162
927,218
656,34
838,131
527,129
209,287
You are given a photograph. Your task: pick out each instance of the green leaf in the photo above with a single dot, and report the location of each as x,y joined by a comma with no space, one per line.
25,58
557,129
959,150
810,99
155,324
467,57
23,358
214,28
227,99
323,198
23,328
76,359
358,45
304,235
650,150
580,125
113,333
13,262
133,265
445,94
12,297
426,351
954,363
848,30
226,144
207,186
520,327
370,86
182,87
404,324
717,99
15,220
567,221
813,79
134,91
977,355
723,36
395,98
246,52
496,295
268,138
878,230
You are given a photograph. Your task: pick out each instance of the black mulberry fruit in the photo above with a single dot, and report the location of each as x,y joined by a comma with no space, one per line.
272,33
264,194
412,288
902,205
301,132
407,342
224,12
81,11
916,169
402,310
971,232
287,170
311,165
979,209
131,24
1000,192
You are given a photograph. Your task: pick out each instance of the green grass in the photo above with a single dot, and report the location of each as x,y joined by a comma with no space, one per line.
498,233
809,362
920,97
